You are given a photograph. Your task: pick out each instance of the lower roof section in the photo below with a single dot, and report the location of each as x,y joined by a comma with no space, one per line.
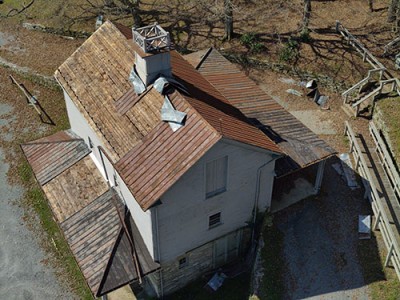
302,146
102,236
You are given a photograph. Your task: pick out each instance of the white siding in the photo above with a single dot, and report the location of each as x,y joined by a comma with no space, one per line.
81,127
184,212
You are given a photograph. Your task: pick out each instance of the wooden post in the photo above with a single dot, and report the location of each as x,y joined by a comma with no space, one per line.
357,110
389,255
357,163
378,219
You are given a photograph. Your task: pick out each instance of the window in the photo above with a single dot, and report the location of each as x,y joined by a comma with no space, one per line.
216,174
214,220
90,143
183,262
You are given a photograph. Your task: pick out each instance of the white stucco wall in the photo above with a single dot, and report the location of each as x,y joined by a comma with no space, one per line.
81,127
184,213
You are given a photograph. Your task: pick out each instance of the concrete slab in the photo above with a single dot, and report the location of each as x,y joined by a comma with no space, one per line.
123,293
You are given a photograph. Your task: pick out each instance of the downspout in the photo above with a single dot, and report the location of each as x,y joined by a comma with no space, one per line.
104,165
257,194
158,251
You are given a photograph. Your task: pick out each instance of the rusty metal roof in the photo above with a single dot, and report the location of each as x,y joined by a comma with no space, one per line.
51,155
149,157
302,146
121,267
163,156
86,210
91,234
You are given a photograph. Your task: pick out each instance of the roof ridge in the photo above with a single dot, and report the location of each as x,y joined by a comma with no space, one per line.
52,142
204,57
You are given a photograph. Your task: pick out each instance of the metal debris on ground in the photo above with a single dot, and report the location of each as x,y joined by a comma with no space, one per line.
216,281
312,84
294,92
364,227
323,102
348,171
99,21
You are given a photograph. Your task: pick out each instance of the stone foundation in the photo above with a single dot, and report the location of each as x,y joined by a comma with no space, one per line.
198,262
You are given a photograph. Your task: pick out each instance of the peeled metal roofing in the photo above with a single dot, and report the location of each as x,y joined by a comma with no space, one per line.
52,155
302,146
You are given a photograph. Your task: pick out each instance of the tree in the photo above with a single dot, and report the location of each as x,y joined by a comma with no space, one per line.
306,15
228,14
112,8
16,11
371,5
393,6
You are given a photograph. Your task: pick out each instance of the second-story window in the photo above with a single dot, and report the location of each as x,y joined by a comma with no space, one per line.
216,176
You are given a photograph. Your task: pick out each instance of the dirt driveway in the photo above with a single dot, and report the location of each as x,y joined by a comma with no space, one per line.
320,243
23,274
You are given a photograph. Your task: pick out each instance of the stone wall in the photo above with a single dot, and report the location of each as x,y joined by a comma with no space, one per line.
199,261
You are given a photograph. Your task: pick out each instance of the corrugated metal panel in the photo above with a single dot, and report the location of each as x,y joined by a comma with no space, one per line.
293,137
50,156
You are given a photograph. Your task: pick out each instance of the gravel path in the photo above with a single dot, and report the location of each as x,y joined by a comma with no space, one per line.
320,243
22,273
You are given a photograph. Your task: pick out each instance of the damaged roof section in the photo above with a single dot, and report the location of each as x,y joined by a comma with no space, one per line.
89,213
302,146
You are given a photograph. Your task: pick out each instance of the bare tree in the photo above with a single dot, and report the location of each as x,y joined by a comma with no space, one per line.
371,5
113,8
393,6
228,14
306,15
16,11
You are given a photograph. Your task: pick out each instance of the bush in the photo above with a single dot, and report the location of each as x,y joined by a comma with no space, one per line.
251,42
289,51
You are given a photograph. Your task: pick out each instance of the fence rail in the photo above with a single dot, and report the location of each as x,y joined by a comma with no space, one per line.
362,82
388,230
386,160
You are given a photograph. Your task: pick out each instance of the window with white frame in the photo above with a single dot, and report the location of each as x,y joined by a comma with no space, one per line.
216,176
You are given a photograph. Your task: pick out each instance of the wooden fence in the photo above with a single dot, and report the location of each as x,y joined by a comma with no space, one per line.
382,214
386,160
